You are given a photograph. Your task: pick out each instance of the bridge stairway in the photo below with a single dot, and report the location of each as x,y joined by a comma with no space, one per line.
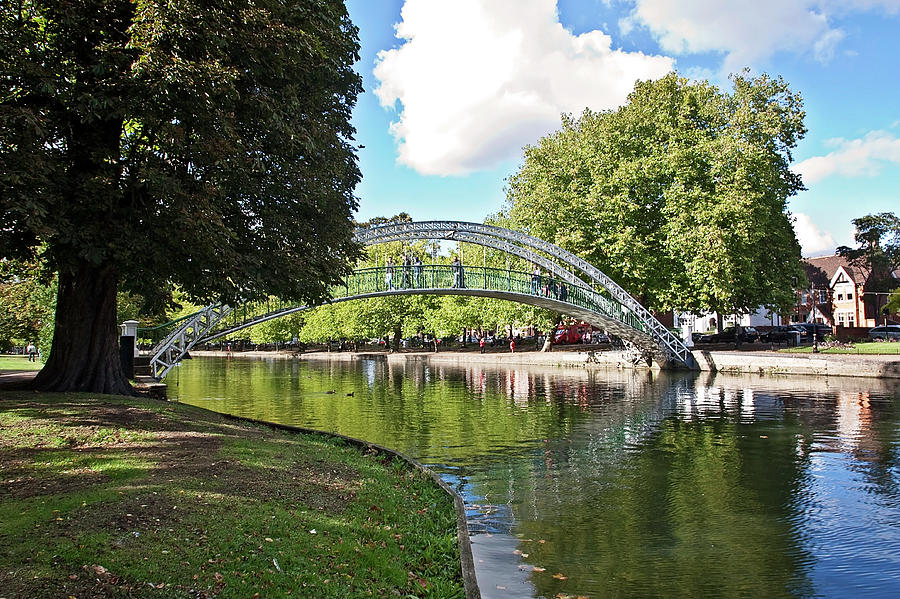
142,366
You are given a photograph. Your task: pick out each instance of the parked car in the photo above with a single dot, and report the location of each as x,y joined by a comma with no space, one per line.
601,338
821,330
783,333
748,335
885,332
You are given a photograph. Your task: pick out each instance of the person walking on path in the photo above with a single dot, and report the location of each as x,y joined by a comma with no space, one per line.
512,345
32,352
481,343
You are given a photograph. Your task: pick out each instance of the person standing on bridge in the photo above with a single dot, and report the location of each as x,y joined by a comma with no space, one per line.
389,273
417,271
563,292
459,281
536,280
407,272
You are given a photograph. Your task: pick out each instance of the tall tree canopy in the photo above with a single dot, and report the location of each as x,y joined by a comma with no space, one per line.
878,239
150,143
680,195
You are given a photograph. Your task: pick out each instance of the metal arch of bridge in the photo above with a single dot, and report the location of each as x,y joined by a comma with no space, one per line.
526,246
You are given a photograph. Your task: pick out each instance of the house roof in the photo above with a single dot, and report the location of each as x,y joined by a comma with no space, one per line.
821,270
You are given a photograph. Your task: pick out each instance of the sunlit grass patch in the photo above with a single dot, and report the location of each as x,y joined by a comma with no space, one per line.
146,499
861,348
19,363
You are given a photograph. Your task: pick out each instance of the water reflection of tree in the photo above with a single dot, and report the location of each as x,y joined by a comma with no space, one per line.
640,485
701,510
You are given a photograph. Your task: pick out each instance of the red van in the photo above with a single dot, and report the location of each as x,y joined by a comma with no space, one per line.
572,333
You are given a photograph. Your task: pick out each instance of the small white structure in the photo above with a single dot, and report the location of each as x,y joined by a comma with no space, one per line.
129,329
707,322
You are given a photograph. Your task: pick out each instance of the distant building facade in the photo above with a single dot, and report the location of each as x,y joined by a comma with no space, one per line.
840,294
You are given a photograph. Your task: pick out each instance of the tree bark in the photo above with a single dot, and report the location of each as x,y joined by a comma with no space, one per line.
85,352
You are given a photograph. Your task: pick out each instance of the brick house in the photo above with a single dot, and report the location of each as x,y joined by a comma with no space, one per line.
843,295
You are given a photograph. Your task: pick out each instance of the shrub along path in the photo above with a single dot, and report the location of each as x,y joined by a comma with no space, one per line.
104,496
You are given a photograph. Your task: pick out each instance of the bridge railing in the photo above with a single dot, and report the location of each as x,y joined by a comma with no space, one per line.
401,278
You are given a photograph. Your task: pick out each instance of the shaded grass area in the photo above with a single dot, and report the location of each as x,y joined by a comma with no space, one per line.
19,363
863,348
104,496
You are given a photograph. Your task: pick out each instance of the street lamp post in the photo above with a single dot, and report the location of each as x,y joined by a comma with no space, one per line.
812,291
797,291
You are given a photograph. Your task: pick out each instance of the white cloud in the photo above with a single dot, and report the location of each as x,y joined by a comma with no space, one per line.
748,32
864,156
745,32
813,241
475,80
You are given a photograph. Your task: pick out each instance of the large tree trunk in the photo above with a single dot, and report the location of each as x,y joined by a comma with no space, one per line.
85,352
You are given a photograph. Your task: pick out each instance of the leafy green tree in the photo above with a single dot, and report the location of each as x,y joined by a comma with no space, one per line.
680,195
153,144
893,303
27,295
277,330
878,251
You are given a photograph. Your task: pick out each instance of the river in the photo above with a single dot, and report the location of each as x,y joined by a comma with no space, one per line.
619,483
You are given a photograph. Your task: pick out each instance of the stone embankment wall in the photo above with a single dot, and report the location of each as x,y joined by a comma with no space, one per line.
741,362
884,366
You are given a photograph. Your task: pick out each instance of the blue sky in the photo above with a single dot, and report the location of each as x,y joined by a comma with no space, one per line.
455,88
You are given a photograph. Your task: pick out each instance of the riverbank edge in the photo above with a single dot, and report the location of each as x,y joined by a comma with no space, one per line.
467,562
734,362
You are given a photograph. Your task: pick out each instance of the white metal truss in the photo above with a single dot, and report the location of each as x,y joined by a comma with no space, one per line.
173,348
669,343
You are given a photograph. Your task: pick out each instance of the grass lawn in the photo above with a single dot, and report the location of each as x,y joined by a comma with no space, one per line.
104,496
19,363
867,347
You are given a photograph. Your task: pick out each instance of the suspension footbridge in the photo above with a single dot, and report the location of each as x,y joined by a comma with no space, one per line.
567,284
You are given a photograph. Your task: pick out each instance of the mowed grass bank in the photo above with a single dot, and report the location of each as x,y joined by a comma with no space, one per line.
105,496
19,363
862,348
